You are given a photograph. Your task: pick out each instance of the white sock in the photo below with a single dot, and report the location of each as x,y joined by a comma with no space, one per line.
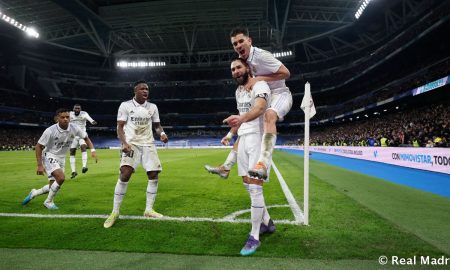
84,159
257,210
119,192
266,216
152,188
231,159
72,163
52,192
246,187
268,142
41,191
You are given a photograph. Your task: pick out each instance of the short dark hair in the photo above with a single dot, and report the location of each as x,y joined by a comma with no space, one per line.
241,60
77,105
61,110
139,82
239,30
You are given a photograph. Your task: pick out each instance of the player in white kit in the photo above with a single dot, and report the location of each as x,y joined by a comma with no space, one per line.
251,104
264,67
51,151
134,129
79,118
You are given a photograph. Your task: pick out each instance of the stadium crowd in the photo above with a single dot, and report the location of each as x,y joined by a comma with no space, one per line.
421,127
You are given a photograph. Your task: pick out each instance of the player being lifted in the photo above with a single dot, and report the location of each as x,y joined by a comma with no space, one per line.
251,104
264,67
79,118
134,129
51,151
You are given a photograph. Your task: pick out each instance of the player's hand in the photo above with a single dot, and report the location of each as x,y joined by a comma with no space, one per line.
40,170
225,141
94,123
164,138
233,121
126,148
250,83
94,156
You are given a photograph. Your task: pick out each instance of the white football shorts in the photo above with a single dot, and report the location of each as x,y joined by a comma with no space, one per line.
281,103
53,163
77,142
145,155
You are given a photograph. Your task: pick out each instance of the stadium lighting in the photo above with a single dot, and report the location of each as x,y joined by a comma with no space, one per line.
361,8
30,31
283,54
139,64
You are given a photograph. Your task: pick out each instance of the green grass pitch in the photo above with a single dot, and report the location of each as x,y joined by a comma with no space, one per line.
353,217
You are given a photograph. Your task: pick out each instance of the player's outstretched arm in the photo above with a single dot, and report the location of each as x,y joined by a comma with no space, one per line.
159,131
91,146
40,167
126,148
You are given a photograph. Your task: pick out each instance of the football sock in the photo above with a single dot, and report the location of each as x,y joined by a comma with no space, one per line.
84,159
231,159
152,188
266,216
41,191
268,142
257,199
119,192
72,163
54,188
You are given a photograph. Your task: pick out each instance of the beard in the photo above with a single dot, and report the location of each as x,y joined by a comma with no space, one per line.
77,113
242,80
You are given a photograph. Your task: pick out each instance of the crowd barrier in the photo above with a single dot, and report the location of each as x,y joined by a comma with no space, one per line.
430,159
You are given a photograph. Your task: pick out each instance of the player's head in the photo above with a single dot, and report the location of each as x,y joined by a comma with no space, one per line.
140,91
241,41
77,109
62,115
240,71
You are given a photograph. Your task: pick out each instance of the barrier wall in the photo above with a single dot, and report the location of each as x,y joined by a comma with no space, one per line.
430,159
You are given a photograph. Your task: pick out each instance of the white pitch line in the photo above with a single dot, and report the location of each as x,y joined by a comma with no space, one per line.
298,214
234,215
165,218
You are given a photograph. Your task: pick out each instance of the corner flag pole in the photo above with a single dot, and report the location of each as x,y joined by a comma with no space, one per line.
310,110
306,159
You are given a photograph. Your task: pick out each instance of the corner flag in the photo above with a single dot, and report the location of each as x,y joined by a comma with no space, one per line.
310,110
307,101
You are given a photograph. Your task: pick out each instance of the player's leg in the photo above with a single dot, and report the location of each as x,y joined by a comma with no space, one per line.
128,163
84,155
55,186
280,105
224,169
152,164
248,153
73,161
36,192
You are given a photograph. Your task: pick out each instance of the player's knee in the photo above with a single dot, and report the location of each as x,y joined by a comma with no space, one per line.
270,117
83,148
73,151
153,174
125,173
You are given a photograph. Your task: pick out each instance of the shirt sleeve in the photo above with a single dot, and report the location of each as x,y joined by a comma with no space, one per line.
155,116
89,118
269,62
79,132
43,140
261,89
122,114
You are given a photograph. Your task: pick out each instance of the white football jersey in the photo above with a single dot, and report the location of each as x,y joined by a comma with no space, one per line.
139,119
57,141
80,120
262,62
245,102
